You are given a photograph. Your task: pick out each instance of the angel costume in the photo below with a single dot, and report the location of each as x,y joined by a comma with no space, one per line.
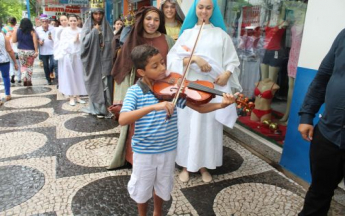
71,77
200,142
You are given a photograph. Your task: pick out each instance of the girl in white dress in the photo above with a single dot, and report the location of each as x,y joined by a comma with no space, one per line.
71,78
200,142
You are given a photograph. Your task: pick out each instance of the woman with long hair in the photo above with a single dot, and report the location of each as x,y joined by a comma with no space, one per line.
173,17
117,25
200,142
148,29
115,44
71,80
26,37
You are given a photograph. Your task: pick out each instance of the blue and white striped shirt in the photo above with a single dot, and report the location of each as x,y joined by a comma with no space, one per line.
152,135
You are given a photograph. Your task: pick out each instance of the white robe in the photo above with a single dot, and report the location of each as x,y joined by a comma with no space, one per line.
200,142
71,77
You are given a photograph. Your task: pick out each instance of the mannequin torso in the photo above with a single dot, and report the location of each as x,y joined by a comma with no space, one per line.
264,93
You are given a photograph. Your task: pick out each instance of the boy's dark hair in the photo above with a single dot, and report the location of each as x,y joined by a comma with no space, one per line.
141,54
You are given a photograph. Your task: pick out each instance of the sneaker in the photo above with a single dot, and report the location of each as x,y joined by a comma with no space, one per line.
12,79
100,116
8,97
109,116
81,101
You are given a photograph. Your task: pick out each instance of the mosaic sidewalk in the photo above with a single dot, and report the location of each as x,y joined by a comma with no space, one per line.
53,159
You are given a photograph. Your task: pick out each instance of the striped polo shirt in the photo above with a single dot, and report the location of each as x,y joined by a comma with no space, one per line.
152,135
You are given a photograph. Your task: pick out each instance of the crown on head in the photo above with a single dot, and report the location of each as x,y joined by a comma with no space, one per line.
96,4
129,19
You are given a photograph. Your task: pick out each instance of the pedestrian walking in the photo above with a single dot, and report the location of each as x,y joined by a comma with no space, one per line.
8,30
6,53
26,37
45,35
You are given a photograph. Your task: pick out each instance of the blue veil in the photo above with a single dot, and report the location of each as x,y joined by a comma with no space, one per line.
191,19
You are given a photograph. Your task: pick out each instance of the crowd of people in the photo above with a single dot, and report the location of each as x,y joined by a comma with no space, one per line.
117,67
28,42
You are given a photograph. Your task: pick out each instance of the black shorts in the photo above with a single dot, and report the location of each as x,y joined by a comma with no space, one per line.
273,58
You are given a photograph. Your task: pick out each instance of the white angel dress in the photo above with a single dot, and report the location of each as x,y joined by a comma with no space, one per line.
71,77
200,141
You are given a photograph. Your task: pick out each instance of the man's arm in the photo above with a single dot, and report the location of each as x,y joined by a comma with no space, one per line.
14,36
10,52
35,40
315,96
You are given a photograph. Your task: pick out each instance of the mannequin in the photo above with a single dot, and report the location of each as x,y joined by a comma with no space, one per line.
299,11
273,56
264,93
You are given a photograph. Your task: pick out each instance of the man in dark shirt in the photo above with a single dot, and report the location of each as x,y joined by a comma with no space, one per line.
327,148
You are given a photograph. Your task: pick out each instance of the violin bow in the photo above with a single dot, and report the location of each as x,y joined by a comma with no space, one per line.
187,67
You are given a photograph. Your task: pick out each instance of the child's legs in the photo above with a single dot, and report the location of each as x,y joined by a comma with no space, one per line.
164,182
5,73
158,204
140,186
142,209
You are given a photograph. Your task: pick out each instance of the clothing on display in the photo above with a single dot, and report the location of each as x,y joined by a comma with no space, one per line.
273,37
260,113
266,94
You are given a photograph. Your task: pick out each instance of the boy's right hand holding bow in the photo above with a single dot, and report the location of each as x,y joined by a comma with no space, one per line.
167,106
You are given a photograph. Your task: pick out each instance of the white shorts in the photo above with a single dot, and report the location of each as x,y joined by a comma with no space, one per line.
152,171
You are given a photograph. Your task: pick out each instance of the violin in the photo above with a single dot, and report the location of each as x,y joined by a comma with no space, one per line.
197,92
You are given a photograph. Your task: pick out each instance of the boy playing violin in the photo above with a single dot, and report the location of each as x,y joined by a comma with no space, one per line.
155,140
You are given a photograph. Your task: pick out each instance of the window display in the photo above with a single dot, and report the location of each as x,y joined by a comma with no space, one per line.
267,35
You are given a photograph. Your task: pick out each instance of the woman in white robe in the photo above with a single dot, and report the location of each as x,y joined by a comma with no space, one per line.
63,24
71,77
200,142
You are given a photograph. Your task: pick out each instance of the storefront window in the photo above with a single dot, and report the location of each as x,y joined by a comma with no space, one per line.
267,35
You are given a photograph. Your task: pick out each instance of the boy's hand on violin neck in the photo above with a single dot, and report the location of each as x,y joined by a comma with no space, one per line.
167,106
228,99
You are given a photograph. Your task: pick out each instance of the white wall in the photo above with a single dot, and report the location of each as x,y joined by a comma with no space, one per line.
185,5
324,20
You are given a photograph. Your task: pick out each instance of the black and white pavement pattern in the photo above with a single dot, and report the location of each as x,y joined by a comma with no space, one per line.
53,159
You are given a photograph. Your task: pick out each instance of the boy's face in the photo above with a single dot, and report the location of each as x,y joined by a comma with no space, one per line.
155,68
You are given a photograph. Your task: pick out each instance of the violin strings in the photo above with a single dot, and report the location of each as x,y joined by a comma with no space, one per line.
204,88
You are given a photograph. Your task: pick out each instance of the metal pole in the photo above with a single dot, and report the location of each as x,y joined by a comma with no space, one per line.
28,7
